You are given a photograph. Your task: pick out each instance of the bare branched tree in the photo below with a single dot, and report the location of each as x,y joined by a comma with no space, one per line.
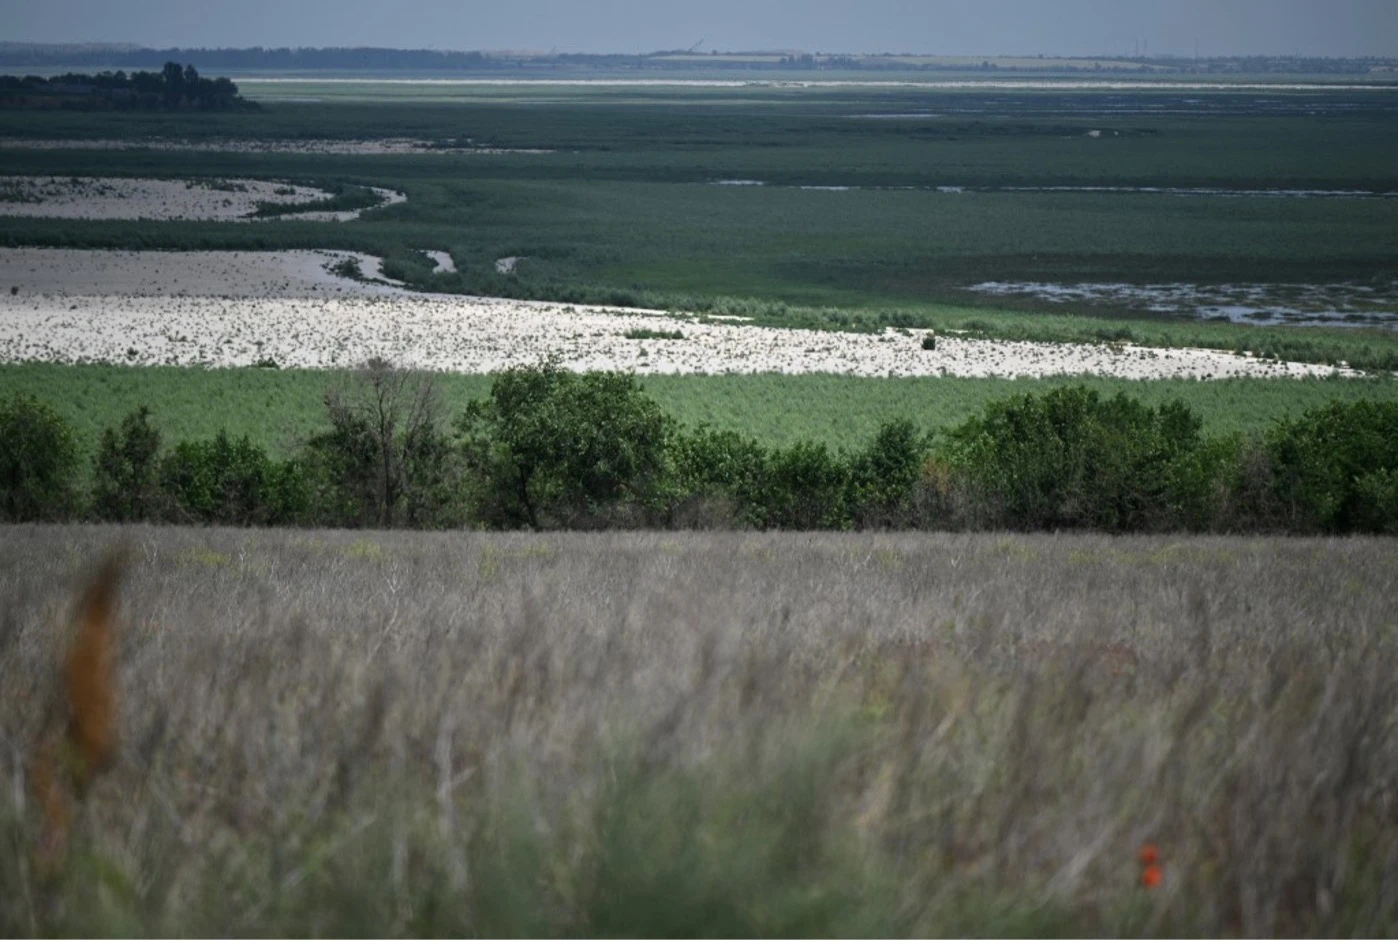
386,446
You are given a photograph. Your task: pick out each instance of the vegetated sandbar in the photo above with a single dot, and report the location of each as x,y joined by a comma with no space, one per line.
161,274
128,198
227,309
352,146
135,198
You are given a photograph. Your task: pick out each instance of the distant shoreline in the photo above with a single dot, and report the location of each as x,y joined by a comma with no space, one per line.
816,78
1000,83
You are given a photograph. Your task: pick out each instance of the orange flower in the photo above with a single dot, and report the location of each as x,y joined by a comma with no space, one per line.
1151,876
1147,854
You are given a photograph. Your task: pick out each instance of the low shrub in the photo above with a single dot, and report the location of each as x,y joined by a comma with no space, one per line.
554,449
1334,468
126,486
806,488
882,476
1071,459
39,461
651,334
230,482
718,470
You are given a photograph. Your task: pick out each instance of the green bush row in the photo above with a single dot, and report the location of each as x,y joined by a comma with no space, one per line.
553,449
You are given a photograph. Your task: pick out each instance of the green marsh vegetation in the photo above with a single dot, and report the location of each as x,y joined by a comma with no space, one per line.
385,733
624,209
277,408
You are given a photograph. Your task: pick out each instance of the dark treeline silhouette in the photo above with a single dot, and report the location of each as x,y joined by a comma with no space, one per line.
551,449
173,87
371,58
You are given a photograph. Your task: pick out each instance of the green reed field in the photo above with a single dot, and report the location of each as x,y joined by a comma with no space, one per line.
277,409
643,735
624,208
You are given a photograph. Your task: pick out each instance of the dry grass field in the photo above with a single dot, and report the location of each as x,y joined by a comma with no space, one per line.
367,733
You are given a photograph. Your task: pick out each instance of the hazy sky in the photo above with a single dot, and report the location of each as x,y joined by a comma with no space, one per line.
973,27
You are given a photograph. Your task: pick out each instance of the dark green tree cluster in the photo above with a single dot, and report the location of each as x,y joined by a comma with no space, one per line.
553,449
550,447
1070,459
38,462
175,86
1334,468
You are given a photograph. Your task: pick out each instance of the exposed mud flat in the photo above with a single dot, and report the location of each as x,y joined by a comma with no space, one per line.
235,309
1268,193
1345,304
127,198
1131,105
133,198
292,273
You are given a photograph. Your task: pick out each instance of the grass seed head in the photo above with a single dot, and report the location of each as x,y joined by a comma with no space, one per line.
89,676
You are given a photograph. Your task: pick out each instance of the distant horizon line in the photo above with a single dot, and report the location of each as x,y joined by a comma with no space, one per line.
127,47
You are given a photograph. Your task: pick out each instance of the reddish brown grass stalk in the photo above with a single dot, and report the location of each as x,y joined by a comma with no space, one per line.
79,739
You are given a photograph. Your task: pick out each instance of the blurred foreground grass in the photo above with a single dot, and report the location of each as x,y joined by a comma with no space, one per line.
724,735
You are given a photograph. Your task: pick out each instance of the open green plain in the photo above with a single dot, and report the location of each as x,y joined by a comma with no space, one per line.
278,409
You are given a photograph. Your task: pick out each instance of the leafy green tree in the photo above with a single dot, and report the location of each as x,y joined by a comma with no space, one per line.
223,92
1334,468
882,476
230,482
805,488
1201,492
710,466
1070,459
38,461
126,486
553,448
174,83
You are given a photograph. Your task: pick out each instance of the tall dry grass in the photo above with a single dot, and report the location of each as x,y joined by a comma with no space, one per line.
371,734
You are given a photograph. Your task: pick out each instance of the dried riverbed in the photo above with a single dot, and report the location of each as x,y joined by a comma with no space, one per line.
222,309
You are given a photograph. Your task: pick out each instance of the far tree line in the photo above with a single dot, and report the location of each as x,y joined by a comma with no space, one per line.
174,87
378,58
